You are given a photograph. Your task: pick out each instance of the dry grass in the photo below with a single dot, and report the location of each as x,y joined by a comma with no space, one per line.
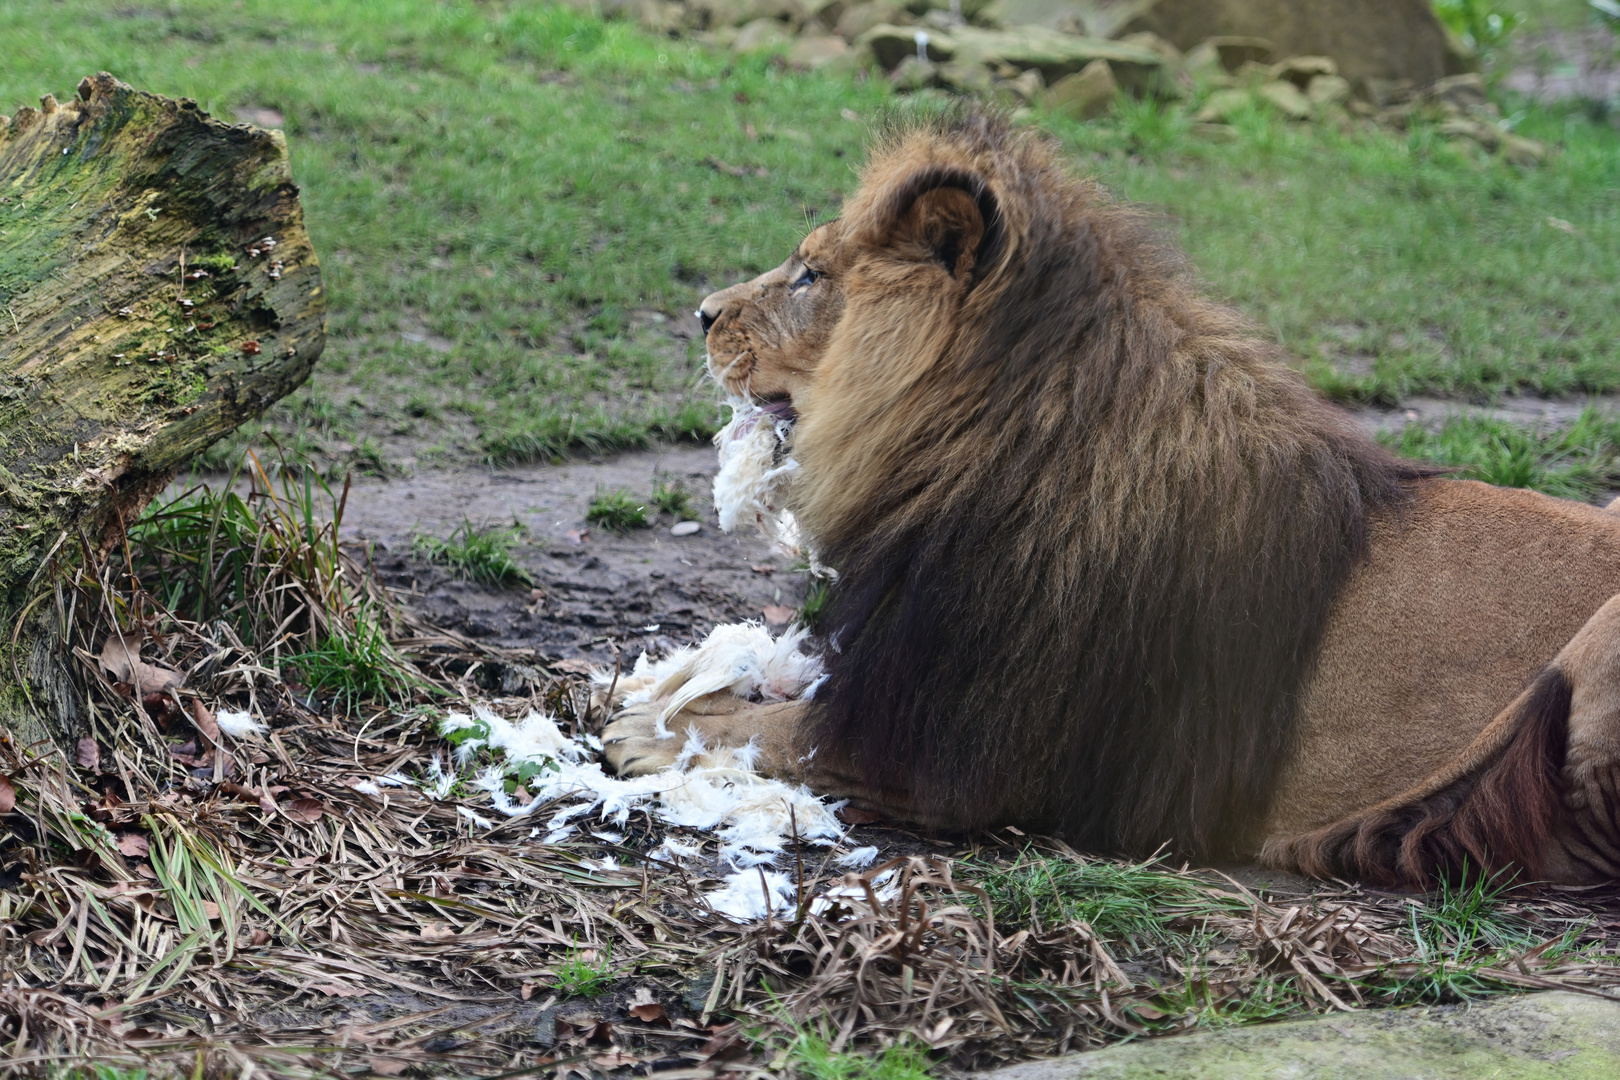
191,904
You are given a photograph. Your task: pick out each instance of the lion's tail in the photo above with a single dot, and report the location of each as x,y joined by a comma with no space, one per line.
1499,805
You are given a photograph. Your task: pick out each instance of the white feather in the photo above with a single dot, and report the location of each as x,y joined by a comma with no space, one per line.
239,725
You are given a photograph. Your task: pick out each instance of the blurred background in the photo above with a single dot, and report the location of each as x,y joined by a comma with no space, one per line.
517,205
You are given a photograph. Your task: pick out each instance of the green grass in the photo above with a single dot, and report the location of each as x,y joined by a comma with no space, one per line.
582,976
811,1055
1393,264
672,497
1578,462
1127,903
1462,931
617,510
515,212
355,663
481,553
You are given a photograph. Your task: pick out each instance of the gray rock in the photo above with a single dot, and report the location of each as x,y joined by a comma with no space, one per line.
1555,1036
1230,53
1085,95
1300,70
1521,151
817,52
1328,90
965,77
1056,54
891,44
859,18
970,10
1286,98
914,74
1026,86
1465,93
761,34
1388,39
1222,105
659,16
1095,18
713,14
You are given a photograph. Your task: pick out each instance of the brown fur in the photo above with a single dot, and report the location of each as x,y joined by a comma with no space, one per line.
1107,567
1502,811
1088,527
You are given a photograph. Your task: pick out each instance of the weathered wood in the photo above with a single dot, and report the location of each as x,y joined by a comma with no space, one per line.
157,290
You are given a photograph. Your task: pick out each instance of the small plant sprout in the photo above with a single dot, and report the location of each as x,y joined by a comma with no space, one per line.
617,510
586,972
672,497
481,553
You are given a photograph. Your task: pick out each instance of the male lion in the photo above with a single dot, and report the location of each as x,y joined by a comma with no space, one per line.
1107,567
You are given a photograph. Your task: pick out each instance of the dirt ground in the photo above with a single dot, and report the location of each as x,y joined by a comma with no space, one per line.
597,590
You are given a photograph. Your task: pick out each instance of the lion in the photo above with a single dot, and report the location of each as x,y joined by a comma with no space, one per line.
1108,568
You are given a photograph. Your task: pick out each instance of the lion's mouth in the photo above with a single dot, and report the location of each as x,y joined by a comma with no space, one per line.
780,408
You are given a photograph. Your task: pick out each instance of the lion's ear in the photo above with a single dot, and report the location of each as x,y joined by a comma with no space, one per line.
944,215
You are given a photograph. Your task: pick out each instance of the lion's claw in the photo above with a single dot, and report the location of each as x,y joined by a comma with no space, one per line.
631,745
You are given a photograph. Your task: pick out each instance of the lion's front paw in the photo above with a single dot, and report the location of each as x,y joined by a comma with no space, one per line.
631,745
622,689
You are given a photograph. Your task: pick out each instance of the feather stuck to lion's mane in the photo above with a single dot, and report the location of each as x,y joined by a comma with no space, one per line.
1088,524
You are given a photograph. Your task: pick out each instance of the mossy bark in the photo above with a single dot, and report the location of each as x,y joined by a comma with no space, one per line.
157,290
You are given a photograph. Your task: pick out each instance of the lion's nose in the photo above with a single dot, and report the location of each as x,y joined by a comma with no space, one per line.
707,313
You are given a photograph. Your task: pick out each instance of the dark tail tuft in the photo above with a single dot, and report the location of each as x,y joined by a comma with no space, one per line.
1504,813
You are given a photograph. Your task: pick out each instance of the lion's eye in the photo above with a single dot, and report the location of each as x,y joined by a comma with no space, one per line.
807,278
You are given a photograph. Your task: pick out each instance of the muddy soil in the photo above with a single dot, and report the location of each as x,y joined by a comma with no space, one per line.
596,590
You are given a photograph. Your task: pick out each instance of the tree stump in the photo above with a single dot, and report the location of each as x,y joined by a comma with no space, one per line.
157,290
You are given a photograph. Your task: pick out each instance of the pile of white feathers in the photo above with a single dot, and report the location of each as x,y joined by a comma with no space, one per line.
753,819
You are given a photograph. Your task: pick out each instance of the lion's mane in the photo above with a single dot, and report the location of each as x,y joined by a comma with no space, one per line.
1088,525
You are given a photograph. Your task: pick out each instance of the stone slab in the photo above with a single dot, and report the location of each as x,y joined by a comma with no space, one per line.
1551,1036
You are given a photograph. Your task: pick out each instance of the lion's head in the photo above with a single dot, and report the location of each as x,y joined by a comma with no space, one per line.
1088,526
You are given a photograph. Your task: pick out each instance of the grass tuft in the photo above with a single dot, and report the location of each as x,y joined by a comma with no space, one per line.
672,497
1579,462
356,663
812,1056
586,972
1125,902
481,553
618,510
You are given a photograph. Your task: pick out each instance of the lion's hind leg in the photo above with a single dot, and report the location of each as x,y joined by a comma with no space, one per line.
1537,791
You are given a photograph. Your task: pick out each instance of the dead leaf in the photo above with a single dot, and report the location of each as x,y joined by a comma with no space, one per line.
436,931
203,717
121,659
850,815
526,991
386,1066
338,990
260,937
210,909
8,795
572,666
778,615
134,845
89,755
763,568
577,536
727,1042
305,811
615,1059
146,872
601,1034
647,1013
